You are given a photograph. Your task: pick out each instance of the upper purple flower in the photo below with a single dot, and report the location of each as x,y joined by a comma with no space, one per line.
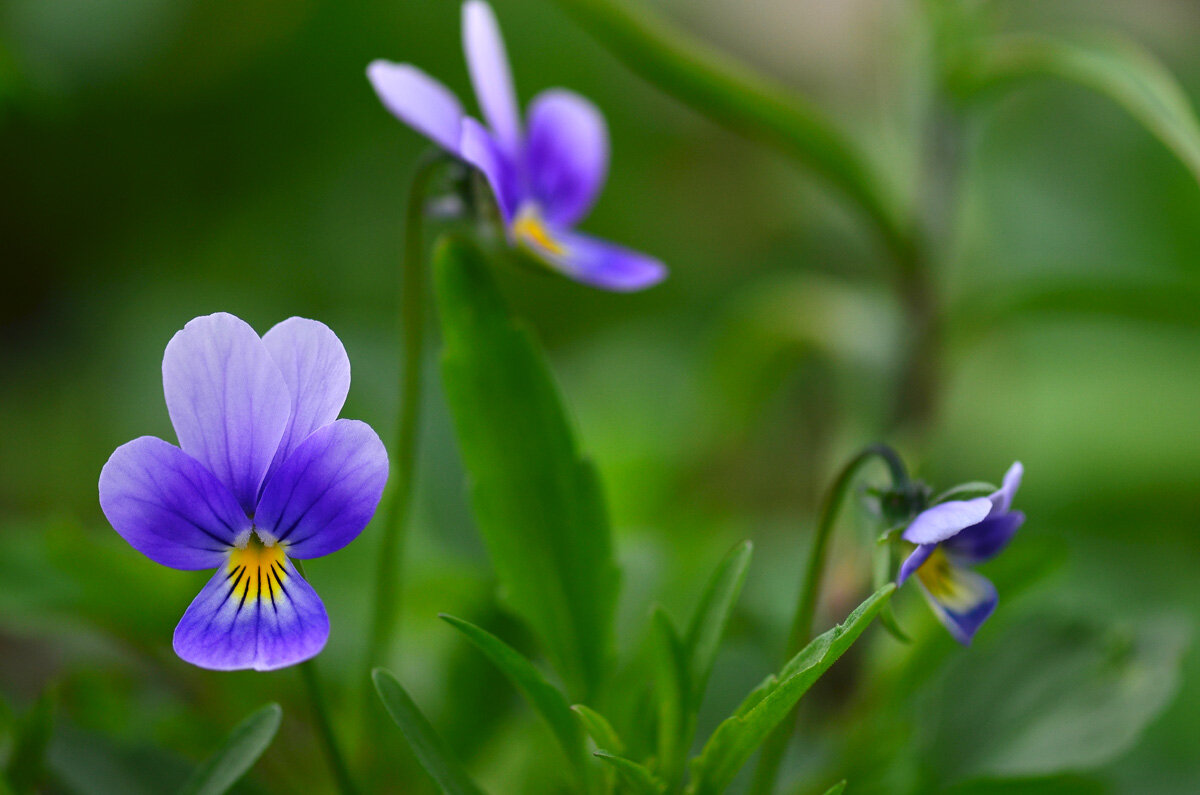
545,175
950,537
266,472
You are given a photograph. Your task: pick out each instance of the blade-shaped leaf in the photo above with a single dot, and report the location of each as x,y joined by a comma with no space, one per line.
537,501
736,739
712,615
637,778
599,729
671,691
1121,69
837,789
544,697
429,749
241,749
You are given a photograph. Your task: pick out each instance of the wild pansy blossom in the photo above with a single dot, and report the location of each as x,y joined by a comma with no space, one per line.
266,473
952,536
545,174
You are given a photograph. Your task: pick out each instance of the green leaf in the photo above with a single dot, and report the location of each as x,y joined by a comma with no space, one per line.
545,698
837,789
1112,65
1049,697
537,501
671,691
27,764
637,778
429,749
704,633
736,739
241,749
599,729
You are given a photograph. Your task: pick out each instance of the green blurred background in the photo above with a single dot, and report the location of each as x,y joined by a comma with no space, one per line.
162,159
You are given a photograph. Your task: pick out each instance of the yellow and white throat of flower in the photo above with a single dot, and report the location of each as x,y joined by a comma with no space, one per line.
530,231
946,583
256,570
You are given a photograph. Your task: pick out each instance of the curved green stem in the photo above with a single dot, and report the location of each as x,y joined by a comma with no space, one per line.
736,97
385,604
316,697
801,631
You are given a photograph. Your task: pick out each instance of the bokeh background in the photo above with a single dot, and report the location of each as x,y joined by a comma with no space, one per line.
162,159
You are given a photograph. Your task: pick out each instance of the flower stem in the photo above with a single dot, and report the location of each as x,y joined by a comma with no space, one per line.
385,603
801,631
736,97
316,697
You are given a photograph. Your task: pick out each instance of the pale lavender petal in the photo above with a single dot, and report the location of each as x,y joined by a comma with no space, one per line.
419,101
1002,499
914,561
601,264
256,612
961,599
227,400
942,521
324,494
481,150
488,64
168,506
983,541
566,155
317,373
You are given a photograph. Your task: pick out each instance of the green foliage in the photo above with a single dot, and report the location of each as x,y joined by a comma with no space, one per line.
241,749
429,749
26,768
1057,697
837,789
636,778
671,693
736,739
537,501
546,699
1112,65
599,729
703,637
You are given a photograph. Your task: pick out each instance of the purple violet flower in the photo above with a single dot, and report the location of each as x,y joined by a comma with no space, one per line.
545,175
952,536
266,472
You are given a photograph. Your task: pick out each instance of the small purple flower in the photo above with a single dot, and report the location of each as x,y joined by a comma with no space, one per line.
952,536
266,472
545,175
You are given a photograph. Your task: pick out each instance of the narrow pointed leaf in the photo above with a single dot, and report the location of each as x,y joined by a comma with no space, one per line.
537,501
428,747
241,749
599,729
837,789
672,691
736,739
546,699
637,778
1121,69
708,624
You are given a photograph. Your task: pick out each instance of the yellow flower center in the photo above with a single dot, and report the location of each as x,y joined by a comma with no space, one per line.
528,228
256,571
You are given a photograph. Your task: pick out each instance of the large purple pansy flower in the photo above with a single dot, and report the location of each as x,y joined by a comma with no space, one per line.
952,536
544,174
266,473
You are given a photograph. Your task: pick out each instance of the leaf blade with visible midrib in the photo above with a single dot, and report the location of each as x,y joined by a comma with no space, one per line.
736,738
544,697
536,500
428,747
599,729
241,749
